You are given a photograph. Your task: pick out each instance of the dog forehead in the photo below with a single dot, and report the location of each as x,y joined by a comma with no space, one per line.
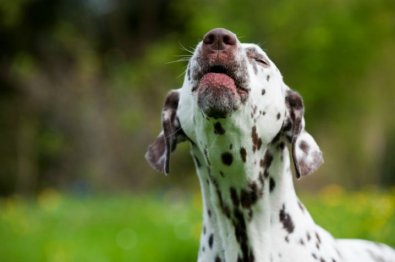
253,47
258,51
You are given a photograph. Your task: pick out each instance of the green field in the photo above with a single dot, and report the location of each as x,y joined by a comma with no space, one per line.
158,227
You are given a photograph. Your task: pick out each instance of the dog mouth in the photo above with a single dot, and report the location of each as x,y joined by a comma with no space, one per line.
220,75
220,91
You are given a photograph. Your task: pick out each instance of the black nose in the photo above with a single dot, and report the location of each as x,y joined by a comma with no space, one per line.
219,39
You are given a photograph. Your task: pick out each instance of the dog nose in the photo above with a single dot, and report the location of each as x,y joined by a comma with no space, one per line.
219,39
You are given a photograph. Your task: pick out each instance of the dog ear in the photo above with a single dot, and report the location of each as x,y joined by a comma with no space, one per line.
306,154
158,153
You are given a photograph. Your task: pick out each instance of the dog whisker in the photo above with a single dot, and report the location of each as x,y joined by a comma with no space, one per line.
180,75
191,51
178,61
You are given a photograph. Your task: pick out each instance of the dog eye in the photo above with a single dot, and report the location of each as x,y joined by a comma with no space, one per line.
262,61
252,54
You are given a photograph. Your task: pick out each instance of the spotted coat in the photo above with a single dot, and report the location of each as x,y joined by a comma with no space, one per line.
244,125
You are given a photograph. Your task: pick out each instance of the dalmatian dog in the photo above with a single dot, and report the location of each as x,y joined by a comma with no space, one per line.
244,124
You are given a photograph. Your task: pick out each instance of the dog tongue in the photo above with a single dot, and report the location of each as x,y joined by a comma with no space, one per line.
217,80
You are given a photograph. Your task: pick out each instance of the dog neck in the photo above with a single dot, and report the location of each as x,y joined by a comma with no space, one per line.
244,191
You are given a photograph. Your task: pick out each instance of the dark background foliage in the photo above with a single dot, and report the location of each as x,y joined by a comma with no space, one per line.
82,85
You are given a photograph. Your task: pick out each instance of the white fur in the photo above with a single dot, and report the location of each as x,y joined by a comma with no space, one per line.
267,235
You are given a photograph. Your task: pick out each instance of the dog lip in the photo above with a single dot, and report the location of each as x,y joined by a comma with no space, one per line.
224,69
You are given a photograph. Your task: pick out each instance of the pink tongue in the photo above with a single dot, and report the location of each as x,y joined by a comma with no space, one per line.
217,80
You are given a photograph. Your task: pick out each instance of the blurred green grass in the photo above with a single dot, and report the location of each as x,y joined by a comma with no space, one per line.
159,227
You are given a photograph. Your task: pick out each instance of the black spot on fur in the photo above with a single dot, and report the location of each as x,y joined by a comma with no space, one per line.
240,226
276,138
254,110
234,197
209,212
268,77
250,214
243,154
278,116
265,163
263,92
304,147
317,236
224,208
272,184
301,241
241,237
227,158
287,126
197,161
256,141
318,242
248,197
261,178
218,129
301,206
171,101
294,100
210,240
217,259
286,220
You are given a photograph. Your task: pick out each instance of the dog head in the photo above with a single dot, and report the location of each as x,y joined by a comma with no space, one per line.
233,92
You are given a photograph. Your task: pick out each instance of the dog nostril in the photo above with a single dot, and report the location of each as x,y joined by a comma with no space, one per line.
209,39
219,39
229,39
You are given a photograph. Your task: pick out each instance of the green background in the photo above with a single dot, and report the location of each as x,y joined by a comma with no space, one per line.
82,84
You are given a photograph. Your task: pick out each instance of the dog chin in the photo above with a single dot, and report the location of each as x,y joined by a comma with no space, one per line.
218,102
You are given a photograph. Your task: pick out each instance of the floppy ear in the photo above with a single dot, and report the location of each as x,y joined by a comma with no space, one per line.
306,154
158,153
